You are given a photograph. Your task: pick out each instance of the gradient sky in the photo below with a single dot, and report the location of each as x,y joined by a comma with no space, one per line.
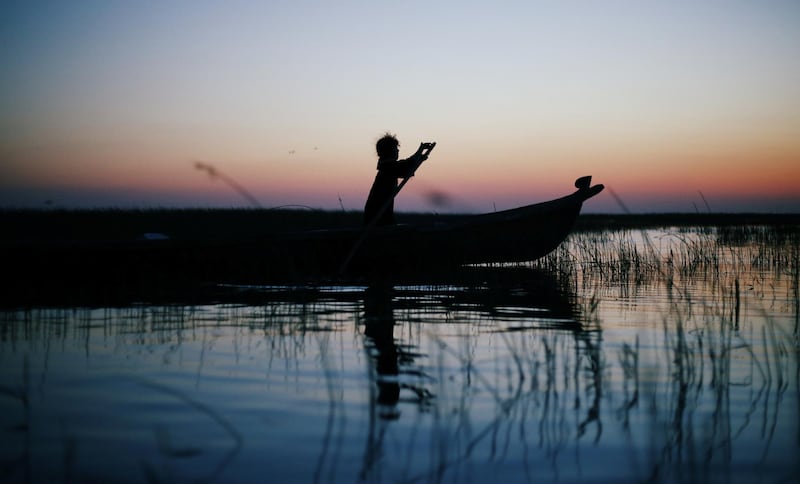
109,103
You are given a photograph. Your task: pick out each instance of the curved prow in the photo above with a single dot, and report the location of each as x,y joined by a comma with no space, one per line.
585,188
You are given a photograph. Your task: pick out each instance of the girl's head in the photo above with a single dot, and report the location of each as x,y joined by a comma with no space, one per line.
388,147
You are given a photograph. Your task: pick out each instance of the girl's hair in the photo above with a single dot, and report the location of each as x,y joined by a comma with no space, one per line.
386,145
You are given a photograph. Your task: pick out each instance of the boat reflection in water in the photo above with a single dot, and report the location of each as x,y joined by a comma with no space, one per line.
498,374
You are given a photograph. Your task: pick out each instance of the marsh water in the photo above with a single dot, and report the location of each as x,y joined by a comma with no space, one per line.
637,355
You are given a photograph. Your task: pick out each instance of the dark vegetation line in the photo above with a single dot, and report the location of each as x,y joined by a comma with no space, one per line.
218,224
590,222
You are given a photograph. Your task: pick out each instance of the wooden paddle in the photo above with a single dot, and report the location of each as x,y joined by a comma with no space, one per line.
425,152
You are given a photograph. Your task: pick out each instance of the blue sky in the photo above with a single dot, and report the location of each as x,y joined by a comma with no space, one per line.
109,103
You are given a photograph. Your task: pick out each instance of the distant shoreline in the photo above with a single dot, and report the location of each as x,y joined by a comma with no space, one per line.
121,224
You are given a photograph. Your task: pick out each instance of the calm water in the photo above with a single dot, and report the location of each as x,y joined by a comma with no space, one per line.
633,356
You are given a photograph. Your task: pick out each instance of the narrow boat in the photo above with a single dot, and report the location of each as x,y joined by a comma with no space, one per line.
517,235
521,234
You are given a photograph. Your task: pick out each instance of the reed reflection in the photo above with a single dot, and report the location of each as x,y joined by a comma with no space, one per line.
712,391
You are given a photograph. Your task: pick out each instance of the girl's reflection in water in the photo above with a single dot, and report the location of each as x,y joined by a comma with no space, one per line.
379,330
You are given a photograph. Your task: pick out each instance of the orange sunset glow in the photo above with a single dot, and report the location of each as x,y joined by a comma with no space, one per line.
667,104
